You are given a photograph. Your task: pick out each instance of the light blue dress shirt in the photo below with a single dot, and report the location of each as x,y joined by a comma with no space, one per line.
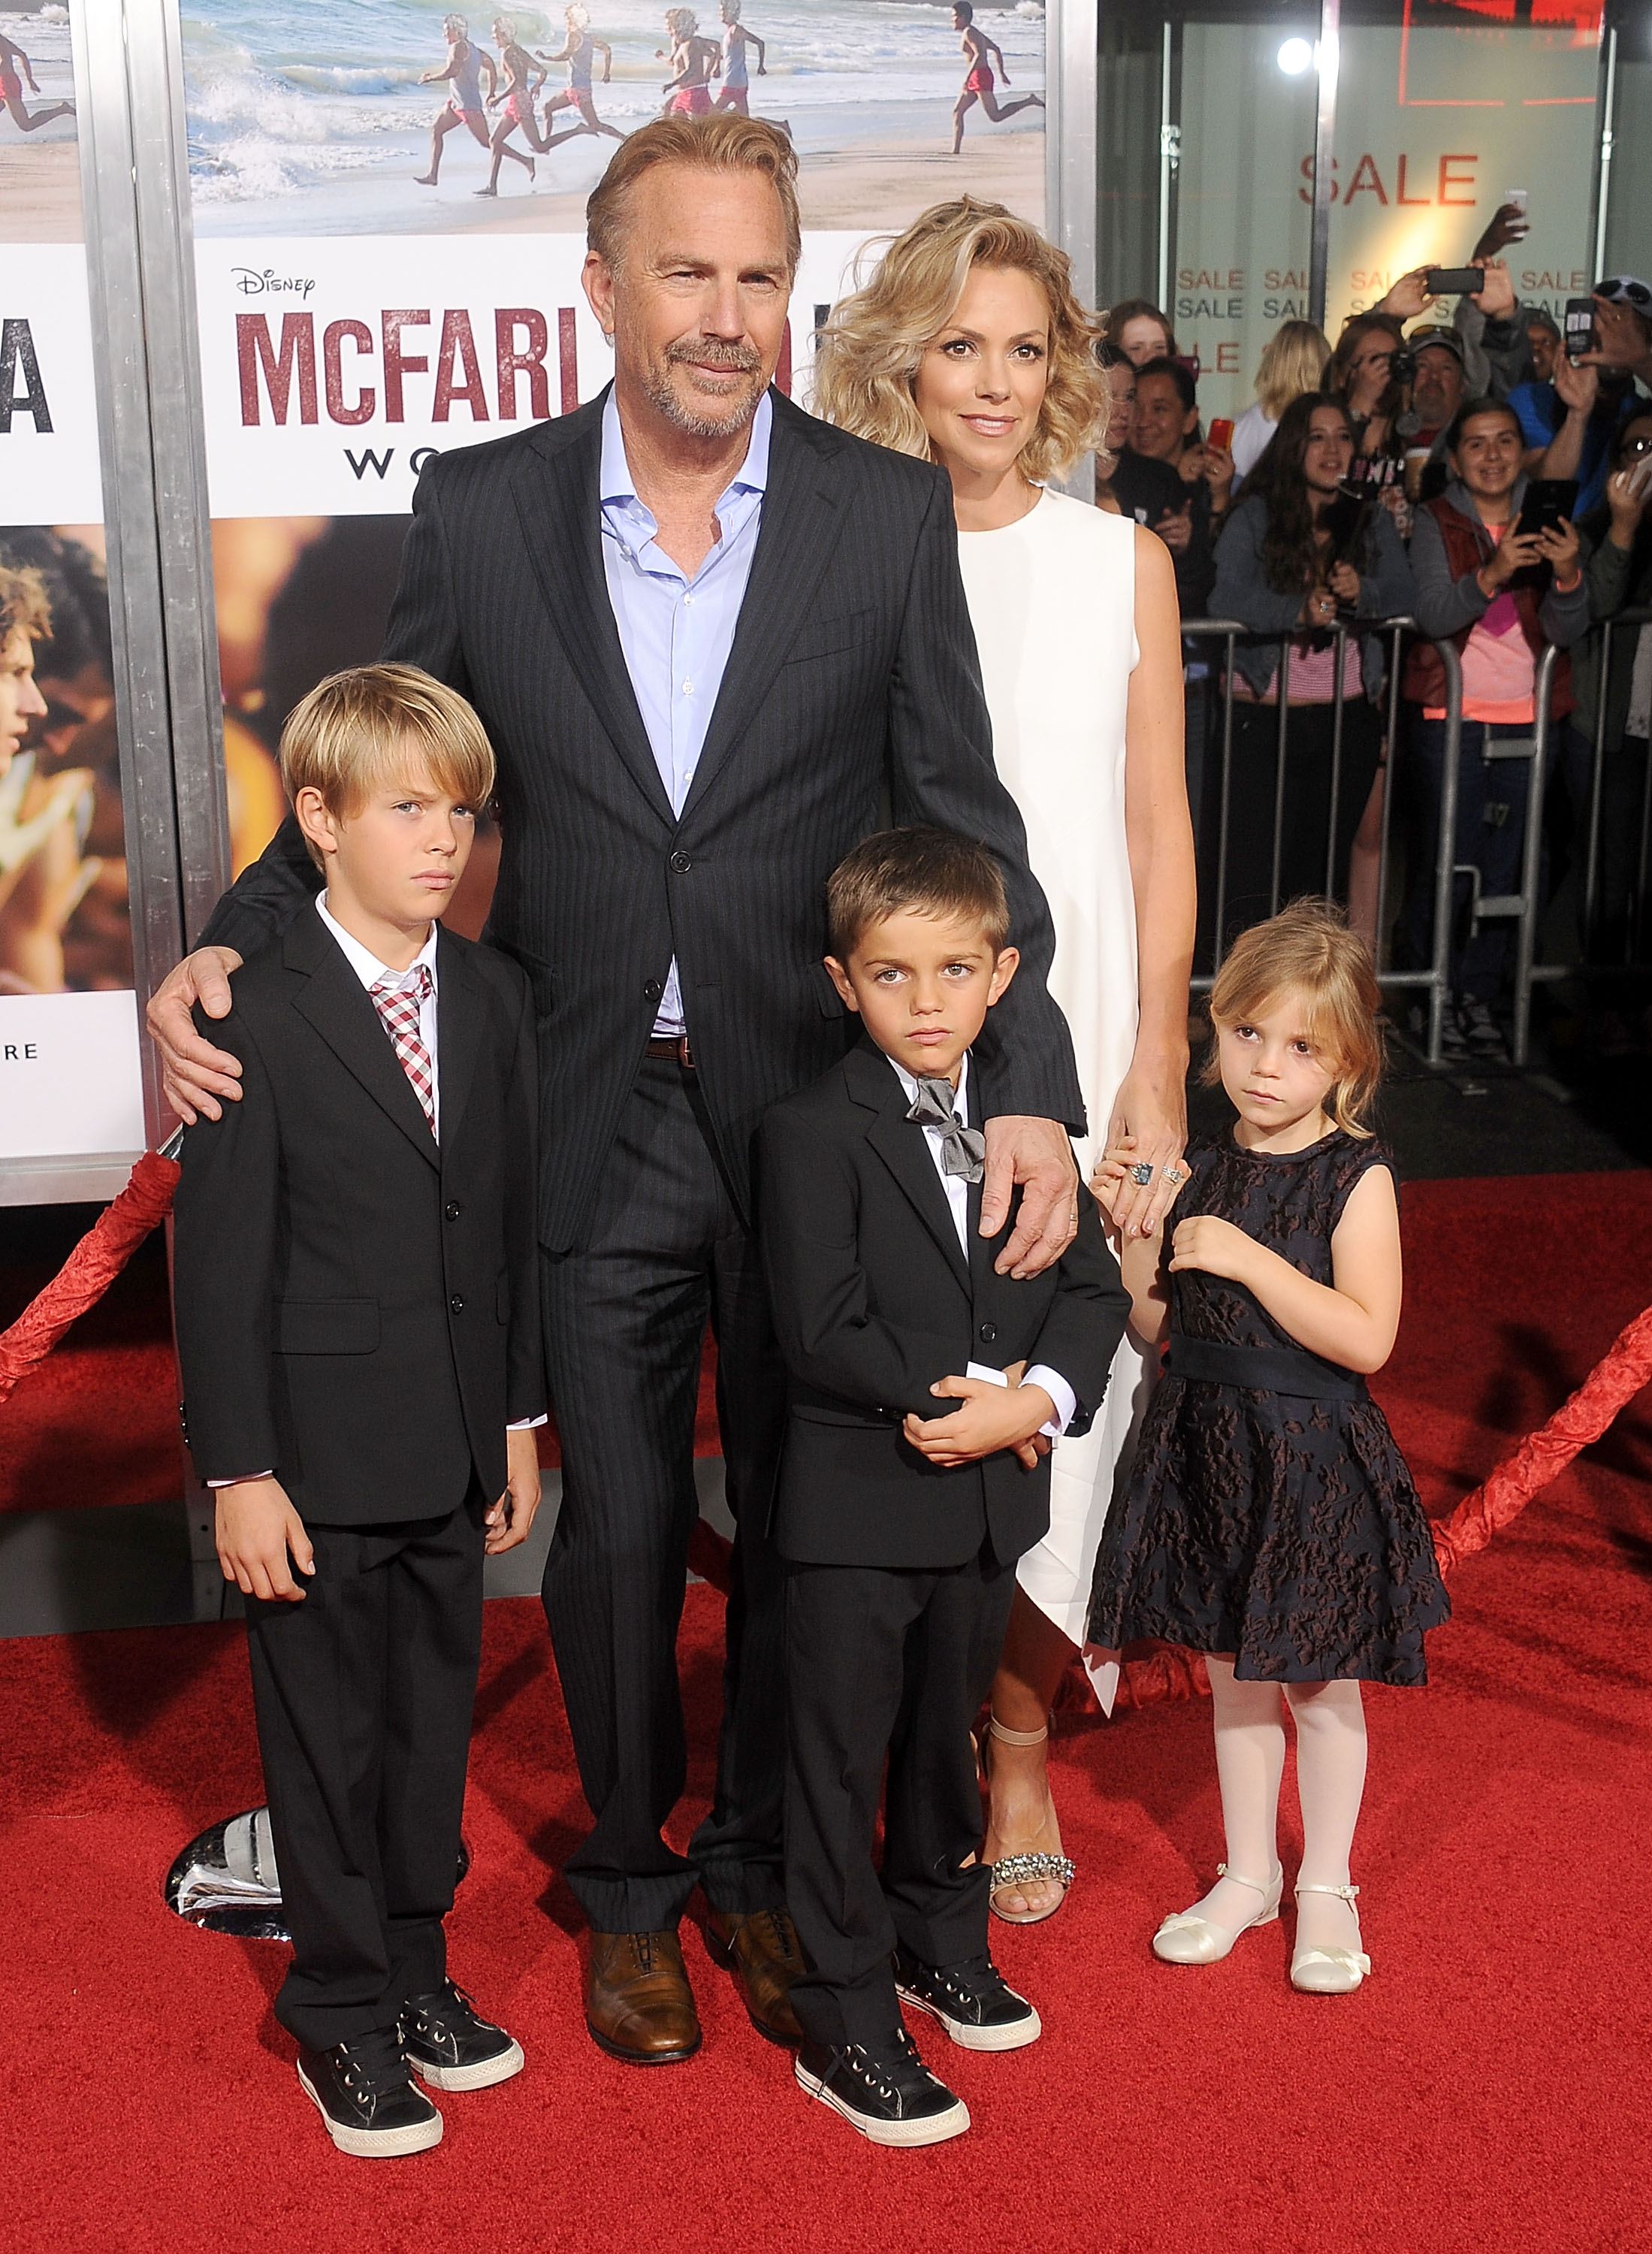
676,633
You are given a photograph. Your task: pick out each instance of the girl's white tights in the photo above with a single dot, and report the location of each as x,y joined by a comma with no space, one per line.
1250,1725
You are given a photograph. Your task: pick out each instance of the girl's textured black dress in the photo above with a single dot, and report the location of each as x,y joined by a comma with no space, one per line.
1269,1513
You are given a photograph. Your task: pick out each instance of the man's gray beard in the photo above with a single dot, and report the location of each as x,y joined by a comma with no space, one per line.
733,419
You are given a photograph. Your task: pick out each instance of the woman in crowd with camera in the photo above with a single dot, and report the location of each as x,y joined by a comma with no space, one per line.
1297,557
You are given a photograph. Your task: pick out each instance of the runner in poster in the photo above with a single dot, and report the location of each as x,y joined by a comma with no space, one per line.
977,84
688,92
15,72
463,73
578,50
523,76
730,67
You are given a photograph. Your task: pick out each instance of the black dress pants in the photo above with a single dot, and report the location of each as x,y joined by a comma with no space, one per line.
882,1662
363,1694
624,1319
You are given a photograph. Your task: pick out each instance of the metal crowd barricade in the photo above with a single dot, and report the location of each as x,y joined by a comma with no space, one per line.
1636,906
1434,982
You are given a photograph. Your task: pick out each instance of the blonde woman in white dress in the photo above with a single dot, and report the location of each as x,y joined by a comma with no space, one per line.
969,346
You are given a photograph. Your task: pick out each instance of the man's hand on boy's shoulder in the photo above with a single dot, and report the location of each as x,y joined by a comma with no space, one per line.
256,1528
993,1418
509,1520
194,1074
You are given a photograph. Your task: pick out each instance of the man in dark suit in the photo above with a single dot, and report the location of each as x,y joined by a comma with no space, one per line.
358,1329
711,639
926,1389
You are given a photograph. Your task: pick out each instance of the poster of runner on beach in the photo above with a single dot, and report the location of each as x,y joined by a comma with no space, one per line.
39,157
307,117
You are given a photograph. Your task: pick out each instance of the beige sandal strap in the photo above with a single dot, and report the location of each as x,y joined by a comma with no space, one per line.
1342,1894
1006,1737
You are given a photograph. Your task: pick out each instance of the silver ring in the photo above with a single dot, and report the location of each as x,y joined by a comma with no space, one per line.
1141,1173
1177,1174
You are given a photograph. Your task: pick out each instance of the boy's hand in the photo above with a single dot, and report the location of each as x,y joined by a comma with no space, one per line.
509,1520
256,1527
993,1418
1215,1246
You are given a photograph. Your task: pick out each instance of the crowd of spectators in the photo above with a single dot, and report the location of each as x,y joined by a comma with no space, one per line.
1388,475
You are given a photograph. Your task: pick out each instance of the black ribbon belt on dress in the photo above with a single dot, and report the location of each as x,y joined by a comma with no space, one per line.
1268,1369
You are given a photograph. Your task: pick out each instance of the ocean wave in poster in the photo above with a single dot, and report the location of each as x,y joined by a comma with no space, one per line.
288,97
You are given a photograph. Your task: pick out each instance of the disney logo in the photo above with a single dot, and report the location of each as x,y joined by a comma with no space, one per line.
269,283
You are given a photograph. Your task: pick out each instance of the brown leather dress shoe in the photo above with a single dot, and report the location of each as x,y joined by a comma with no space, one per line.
638,2005
762,1948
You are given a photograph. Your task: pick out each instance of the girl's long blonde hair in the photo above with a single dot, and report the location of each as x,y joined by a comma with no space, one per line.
1307,949
869,352
1294,360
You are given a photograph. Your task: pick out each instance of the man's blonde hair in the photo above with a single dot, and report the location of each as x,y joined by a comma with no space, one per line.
356,729
1308,950
724,142
24,602
869,351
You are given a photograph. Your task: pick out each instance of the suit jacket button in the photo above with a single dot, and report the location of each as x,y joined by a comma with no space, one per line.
680,864
452,1211
457,1303
653,990
989,1332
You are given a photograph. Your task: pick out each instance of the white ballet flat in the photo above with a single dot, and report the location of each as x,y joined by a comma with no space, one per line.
1186,1938
1330,1972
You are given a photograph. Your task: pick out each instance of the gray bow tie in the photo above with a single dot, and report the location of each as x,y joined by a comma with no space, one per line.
962,1149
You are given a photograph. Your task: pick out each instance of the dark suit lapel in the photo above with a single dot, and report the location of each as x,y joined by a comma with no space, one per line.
799,531
461,1007
558,502
338,1005
904,1149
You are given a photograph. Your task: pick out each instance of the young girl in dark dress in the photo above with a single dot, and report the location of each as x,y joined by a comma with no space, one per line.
1270,1521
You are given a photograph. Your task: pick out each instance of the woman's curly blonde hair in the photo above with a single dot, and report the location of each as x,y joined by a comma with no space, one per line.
869,352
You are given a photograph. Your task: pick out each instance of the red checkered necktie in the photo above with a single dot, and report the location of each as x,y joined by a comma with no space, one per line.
397,1001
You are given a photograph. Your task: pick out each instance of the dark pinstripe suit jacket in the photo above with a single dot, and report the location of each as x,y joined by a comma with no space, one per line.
852,689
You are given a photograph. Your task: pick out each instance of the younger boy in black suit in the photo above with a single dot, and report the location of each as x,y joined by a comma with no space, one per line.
358,1325
901,1519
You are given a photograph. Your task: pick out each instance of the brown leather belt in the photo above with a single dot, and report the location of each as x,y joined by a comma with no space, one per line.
674,1046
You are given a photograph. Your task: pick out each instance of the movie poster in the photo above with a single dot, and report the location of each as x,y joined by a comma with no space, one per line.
390,226
1437,123
69,1072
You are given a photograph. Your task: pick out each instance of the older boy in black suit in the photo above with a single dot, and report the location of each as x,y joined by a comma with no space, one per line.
900,1519
358,1329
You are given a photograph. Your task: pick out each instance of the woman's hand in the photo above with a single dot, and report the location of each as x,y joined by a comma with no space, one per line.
1148,1128
1497,298
1219,475
1408,298
1628,506
1215,1246
1319,610
1515,551
1559,543
1345,584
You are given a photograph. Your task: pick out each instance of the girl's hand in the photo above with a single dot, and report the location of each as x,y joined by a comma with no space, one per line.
1560,545
1215,1246
1345,583
1149,1127
1107,1184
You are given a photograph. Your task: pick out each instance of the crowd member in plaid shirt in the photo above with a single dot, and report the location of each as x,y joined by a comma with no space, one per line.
358,1327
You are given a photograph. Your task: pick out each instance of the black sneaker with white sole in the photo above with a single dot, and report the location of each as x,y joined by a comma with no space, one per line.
974,2002
1482,1031
363,2092
884,2090
447,2042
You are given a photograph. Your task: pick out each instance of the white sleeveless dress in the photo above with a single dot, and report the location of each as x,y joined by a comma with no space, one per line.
1052,600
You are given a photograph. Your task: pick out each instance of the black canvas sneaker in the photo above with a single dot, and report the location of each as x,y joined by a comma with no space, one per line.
1482,1031
884,2090
974,2002
447,2042
363,2092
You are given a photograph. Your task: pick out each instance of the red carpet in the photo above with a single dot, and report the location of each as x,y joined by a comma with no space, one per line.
1484,2090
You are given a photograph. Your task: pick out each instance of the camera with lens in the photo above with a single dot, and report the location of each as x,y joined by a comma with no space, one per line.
1402,367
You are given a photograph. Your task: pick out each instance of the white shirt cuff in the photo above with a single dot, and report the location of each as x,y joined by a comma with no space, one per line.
527,1423
1054,1385
241,1480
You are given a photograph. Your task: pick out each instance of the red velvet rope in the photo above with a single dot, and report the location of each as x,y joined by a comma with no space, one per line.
1165,1673
90,1268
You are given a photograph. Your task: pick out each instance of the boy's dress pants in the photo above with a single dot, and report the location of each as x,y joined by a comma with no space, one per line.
880,1659
363,1694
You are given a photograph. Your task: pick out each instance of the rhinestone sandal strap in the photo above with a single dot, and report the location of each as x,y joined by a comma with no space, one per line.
1015,1870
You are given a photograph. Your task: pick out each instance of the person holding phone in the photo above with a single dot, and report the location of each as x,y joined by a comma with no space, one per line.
1501,593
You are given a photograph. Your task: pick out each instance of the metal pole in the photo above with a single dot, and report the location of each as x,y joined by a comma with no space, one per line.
1531,857
1328,59
1070,166
1227,801
1597,771
1167,139
1278,777
1387,777
1445,854
1339,647
1603,196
